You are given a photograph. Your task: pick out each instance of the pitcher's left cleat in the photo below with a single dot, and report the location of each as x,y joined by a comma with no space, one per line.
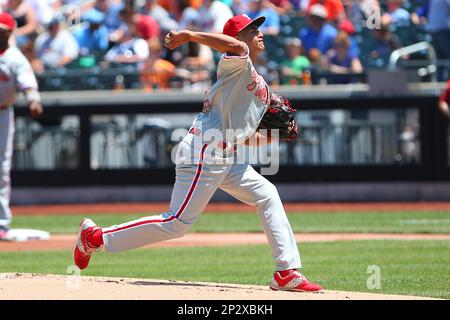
83,248
294,281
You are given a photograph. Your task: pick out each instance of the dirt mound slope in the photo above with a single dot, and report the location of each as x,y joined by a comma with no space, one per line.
14,286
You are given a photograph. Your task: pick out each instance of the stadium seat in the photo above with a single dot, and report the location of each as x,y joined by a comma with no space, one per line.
112,148
156,134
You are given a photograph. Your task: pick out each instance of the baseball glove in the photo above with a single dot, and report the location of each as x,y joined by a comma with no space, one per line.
280,115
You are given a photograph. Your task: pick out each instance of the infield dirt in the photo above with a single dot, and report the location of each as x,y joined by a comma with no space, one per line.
25,286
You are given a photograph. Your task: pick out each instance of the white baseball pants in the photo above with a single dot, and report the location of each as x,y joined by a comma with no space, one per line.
6,151
194,187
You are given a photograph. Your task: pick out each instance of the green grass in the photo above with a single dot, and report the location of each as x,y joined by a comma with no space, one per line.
395,222
419,268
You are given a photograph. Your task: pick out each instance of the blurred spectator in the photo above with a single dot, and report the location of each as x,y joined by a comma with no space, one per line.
293,66
281,6
317,38
26,21
229,3
347,27
359,11
129,22
147,28
342,60
56,47
420,13
258,8
197,57
439,28
196,4
172,8
196,66
111,9
301,5
189,16
43,9
382,46
396,15
156,72
267,69
72,10
92,38
29,53
444,100
153,9
130,50
240,7
81,5
335,9
169,5
213,15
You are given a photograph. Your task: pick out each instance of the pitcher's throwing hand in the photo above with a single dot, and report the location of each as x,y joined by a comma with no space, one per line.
175,39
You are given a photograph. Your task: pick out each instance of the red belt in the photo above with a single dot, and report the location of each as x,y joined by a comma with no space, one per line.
3,107
221,144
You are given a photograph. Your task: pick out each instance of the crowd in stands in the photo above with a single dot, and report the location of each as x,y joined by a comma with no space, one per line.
303,37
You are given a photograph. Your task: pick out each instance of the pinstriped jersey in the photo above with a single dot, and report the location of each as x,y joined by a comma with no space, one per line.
237,101
15,73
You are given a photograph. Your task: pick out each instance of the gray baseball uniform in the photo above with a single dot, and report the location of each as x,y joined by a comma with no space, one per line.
237,102
15,73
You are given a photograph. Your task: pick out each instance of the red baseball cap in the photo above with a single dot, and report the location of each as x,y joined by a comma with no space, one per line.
236,24
7,21
347,26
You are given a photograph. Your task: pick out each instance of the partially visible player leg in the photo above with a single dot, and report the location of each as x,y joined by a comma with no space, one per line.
248,186
6,150
194,187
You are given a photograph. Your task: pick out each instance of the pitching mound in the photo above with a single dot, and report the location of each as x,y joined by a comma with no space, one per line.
14,286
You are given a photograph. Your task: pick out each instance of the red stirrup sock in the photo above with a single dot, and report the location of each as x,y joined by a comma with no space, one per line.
285,273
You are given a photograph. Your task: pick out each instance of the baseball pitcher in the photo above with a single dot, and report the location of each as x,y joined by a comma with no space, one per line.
15,73
233,108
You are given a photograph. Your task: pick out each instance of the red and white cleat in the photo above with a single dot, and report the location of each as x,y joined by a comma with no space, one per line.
83,248
294,281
